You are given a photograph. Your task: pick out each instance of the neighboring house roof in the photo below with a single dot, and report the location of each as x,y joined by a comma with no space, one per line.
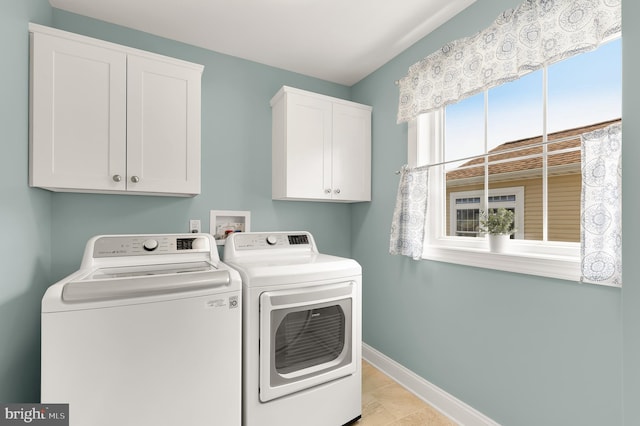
561,160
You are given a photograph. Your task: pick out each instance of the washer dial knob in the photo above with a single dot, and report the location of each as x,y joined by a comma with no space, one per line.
272,240
150,245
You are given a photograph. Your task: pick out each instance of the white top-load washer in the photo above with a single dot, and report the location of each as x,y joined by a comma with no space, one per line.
146,333
301,330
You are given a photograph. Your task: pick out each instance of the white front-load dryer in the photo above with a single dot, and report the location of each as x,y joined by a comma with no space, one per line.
146,333
301,331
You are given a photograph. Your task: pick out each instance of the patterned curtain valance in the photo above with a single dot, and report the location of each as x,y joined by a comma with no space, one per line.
537,33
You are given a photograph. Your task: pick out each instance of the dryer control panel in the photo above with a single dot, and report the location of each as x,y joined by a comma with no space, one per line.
270,241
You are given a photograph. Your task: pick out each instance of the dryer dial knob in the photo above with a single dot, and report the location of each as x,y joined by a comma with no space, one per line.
272,240
150,245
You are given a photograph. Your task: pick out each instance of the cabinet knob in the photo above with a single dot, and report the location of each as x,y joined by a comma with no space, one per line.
327,191
135,179
117,178
337,191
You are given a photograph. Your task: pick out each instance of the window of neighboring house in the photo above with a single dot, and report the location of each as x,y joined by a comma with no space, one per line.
465,209
497,149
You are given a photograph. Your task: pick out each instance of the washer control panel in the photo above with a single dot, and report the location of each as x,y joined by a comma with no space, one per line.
140,245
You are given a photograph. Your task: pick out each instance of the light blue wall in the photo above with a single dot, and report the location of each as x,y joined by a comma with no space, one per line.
523,350
25,215
631,207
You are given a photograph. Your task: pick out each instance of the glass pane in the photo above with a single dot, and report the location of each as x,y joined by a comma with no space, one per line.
464,189
464,129
564,188
310,337
586,89
515,183
515,110
585,93
467,222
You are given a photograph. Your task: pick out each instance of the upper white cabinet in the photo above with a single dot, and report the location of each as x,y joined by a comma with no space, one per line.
107,118
321,148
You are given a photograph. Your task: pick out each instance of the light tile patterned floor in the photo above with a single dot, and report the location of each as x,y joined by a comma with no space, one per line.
386,403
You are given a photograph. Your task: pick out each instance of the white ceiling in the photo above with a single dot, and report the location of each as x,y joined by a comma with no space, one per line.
341,41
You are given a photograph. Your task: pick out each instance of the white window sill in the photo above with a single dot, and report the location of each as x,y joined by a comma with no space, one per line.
561,261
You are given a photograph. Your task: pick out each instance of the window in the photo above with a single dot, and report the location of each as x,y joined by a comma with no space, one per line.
465,208
517,146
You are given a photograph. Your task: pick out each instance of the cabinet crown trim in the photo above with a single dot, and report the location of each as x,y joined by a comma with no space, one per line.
37,28
288,89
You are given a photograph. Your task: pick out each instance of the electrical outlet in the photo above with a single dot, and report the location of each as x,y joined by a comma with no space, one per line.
194,226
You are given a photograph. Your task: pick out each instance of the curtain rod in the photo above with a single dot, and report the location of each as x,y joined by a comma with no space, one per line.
506,151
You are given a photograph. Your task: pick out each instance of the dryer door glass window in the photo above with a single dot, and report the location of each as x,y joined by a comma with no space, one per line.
309,337
306,337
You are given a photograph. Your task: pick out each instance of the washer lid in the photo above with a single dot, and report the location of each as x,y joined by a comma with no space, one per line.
139,281
149,270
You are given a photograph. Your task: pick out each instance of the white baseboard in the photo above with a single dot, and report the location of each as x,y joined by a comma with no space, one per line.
447,404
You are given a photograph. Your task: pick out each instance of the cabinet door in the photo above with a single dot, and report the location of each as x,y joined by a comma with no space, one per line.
308,147
163,136
78,116
351,153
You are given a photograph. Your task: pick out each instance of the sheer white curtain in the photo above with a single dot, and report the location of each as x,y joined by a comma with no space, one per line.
601,224
407,227
521,40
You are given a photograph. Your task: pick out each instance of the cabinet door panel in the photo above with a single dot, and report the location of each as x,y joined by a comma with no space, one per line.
163,141
321,148
308,147
351,153
78,119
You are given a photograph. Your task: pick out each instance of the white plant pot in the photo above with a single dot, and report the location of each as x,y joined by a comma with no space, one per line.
498,243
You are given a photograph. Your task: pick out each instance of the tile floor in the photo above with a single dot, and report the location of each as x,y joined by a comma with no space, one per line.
386,403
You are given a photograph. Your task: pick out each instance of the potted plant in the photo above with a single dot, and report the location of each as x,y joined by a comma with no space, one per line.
498,223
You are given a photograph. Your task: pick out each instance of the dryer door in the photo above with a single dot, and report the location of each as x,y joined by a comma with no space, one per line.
306,337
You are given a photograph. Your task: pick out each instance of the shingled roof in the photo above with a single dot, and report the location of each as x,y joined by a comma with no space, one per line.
528,164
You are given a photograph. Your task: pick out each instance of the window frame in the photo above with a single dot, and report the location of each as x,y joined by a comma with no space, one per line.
543,258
